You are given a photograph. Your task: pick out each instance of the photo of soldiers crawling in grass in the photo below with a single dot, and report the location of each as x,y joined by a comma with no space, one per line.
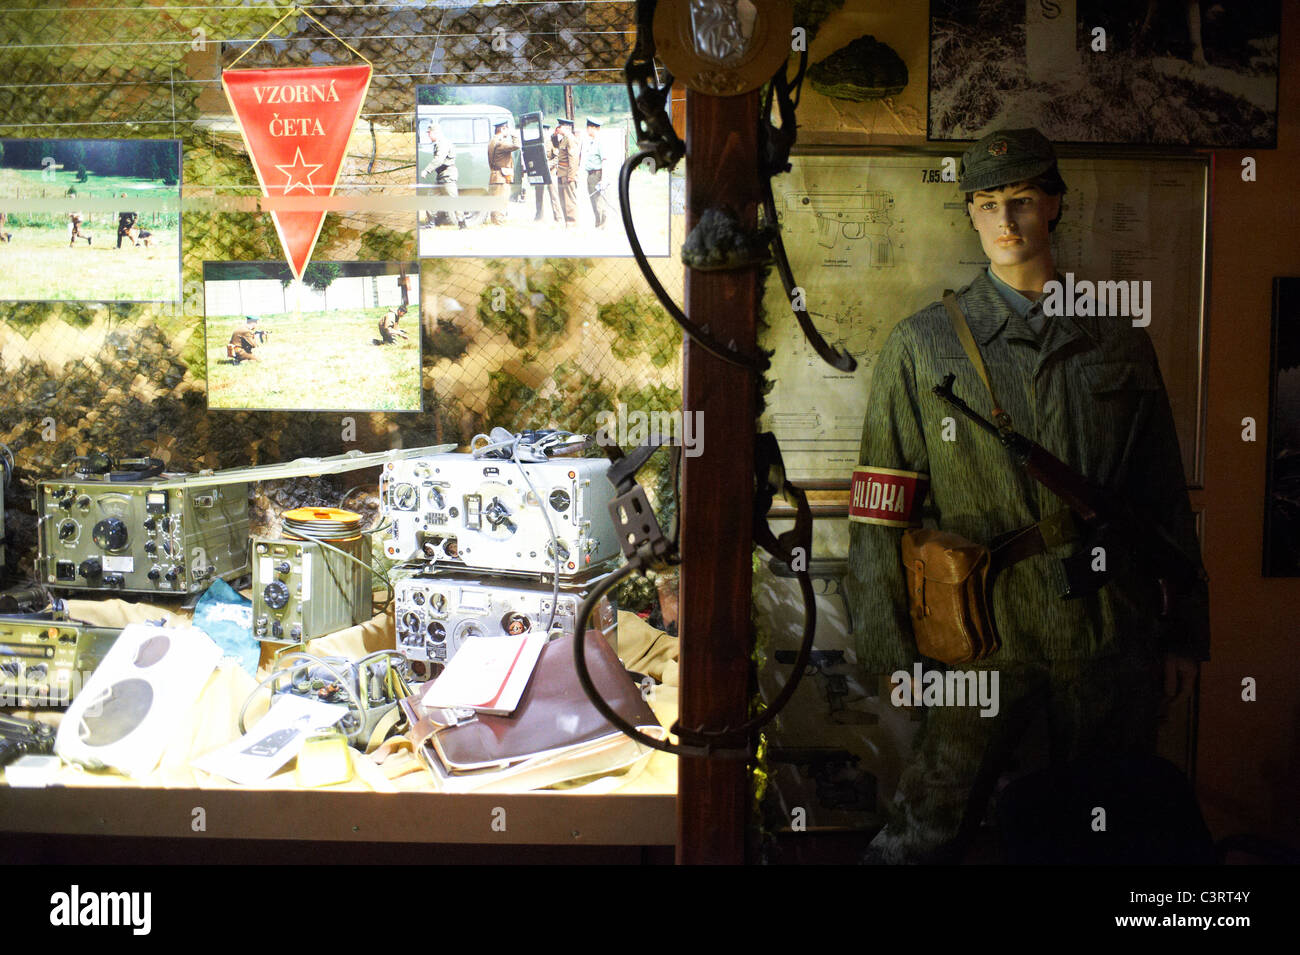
105,225
277,342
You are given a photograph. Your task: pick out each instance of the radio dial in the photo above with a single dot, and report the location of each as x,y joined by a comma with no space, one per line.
405,497
67,530
276,595
411,620
110,533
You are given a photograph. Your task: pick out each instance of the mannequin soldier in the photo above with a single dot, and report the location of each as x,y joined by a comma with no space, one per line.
594,165
442,169
1088,390
501,149
566,168
548,139
243,341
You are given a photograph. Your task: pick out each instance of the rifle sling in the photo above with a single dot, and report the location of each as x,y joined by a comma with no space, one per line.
1059,528
967,340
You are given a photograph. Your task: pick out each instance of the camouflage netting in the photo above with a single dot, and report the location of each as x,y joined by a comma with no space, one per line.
576,336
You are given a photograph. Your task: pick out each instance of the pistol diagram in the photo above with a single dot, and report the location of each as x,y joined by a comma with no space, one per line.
852,217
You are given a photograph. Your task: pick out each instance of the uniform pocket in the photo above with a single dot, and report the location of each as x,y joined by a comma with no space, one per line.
1109,376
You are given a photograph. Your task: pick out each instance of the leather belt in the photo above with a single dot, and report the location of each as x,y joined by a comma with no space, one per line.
1014,546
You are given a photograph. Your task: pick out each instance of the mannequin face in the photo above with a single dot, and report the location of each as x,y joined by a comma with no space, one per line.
1012,222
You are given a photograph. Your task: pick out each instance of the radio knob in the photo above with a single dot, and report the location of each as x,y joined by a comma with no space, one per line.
282,567
110,533
37,671
150,547
436,497
171,575
91,568
276,595
410,620
560,499
166,524
11,667
150,523
277,629
295,631
67,530
418,598
155,574
83,502
66,502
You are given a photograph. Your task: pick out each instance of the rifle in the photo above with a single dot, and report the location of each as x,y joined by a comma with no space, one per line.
1100,514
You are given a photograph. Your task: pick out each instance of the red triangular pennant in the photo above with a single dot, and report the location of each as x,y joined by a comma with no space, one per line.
296,122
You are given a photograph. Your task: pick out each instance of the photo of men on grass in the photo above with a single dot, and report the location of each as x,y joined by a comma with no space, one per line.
532,171
344,338
92,220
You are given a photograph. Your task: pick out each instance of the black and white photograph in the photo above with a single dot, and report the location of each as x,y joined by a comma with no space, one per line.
532,170
1140,72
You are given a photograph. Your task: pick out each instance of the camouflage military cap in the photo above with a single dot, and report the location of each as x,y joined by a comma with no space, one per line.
1003,157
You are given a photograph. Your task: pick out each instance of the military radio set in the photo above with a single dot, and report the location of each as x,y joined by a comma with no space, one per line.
314,580
45,658
436,613
129,526
499,516
503,539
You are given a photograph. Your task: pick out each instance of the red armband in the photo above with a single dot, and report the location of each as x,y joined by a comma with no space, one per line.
889,497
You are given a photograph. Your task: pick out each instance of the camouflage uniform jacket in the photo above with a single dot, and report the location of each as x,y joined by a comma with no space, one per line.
1090,393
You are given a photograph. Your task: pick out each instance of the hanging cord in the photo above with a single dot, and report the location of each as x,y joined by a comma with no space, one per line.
292,11
648,549
658,143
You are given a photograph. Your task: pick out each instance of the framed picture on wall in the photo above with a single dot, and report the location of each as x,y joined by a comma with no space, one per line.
344,337
532,171
1163,72
1282,483
90,220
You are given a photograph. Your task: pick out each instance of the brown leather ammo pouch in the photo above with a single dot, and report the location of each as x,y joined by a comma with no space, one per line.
949,583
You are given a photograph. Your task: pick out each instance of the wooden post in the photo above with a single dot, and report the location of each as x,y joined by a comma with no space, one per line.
717,488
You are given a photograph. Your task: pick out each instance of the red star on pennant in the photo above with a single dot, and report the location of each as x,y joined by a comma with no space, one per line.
299,173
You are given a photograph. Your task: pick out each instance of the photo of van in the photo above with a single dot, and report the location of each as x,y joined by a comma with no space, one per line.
561,153
469,127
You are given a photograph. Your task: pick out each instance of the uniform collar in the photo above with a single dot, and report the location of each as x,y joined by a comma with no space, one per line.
988,312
